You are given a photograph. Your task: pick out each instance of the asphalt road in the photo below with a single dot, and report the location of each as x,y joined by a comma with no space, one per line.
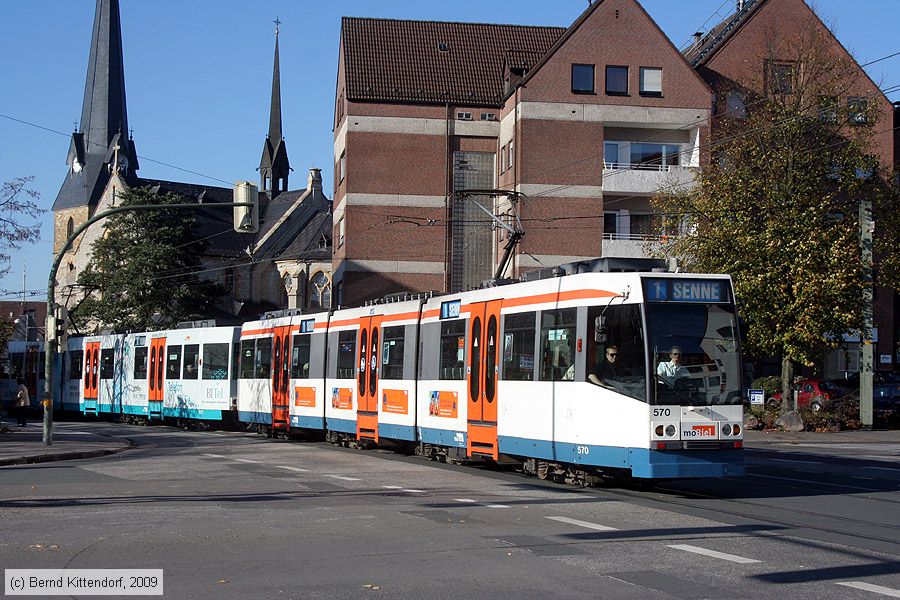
234,515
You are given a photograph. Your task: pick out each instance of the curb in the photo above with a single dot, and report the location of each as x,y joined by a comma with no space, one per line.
30,460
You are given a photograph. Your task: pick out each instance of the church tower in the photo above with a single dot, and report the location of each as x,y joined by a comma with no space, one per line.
274,167
100,145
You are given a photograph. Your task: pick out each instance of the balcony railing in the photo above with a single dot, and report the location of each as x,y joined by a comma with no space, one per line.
641,167
638,237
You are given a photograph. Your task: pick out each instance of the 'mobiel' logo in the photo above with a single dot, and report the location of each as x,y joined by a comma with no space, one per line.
700,431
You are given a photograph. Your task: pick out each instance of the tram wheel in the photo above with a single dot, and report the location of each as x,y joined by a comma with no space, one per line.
543,470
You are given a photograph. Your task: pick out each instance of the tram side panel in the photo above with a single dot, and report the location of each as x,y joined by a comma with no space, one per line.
133,357
254,403
73,371
307,372
441,396
341,377
396,395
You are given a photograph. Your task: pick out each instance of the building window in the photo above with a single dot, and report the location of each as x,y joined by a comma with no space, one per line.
70,228
734,106
654,156
464,116
616,80
651,81
857,107
609,225
780,77
828,109
503,159
488,116
340,232
320,291
511,155
582,79
610,154
342,166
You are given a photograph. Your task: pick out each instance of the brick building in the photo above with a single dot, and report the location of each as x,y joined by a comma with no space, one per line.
775,43
574,128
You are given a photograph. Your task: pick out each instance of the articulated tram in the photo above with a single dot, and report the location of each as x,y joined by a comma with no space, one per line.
496,374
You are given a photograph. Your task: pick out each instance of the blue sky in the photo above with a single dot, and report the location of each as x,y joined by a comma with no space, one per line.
198,78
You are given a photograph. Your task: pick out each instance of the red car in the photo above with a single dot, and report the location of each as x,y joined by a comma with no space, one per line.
813,393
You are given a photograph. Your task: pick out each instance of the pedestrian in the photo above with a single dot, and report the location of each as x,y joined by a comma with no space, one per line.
23,401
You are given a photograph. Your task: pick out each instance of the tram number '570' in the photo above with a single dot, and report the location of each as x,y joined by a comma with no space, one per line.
662,412
583,449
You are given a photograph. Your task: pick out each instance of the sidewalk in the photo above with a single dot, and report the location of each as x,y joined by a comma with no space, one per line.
754,438
24,445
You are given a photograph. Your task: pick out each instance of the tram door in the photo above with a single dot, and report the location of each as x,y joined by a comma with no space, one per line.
481,375
91,374
155,391
367,377
281,378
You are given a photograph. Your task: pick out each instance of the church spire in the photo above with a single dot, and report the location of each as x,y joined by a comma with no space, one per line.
104,117
274,166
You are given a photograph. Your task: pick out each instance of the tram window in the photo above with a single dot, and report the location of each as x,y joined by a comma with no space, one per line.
191,360
518,346
173,362
346,359
453,350
248,353
300,356
392,345
140,363
215,361
107,363
623,330
263,362
558,345
76,359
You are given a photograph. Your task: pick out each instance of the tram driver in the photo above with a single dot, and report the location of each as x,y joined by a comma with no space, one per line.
608,370
672,370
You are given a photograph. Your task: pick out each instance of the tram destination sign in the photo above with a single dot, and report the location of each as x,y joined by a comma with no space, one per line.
673,289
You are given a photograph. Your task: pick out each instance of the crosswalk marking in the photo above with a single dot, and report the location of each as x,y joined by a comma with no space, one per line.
722,555
869,587
585,524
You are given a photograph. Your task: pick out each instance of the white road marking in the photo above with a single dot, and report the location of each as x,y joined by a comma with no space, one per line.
585,524
412,491
464,500
215,456
392,487
342,478
722,555
868,587
797,462
496,506
246,460
297,469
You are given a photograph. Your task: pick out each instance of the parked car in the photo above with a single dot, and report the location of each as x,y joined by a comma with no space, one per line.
886,398
817,394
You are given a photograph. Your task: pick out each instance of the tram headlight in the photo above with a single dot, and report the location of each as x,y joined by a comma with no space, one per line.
737,430
659,430
670,430
726,429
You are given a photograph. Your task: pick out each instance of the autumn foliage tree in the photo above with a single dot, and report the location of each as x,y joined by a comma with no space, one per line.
143,272
778,205
17,200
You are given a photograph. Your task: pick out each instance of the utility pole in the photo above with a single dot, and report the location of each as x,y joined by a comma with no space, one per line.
243,223
866,348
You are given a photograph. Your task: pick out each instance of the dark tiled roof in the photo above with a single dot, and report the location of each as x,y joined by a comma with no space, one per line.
700,53
390,60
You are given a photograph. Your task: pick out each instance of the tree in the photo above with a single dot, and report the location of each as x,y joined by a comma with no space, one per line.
778,205
142,274
17,200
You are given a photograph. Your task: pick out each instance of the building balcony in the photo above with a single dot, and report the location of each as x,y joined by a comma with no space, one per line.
630,245
645,180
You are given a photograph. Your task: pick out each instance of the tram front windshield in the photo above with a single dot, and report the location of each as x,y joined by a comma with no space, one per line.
693,357
694,352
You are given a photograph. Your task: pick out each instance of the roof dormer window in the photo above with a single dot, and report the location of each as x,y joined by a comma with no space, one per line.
443,47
